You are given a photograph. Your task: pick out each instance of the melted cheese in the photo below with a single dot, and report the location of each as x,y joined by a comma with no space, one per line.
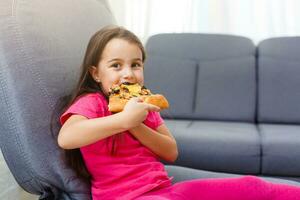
134,89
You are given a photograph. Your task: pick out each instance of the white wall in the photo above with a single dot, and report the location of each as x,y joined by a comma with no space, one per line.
256,19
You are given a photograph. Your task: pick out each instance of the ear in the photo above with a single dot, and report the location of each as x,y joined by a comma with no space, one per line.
94,73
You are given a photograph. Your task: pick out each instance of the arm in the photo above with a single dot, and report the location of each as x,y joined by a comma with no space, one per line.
161,142
80,131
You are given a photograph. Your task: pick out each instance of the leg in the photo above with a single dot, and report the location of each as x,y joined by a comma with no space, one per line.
242,188
246,188
284,192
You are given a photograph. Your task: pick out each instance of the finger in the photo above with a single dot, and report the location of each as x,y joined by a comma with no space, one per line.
135,99
153,108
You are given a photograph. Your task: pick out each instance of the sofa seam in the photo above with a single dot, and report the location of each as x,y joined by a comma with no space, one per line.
256,114
256,110
196,87
260,148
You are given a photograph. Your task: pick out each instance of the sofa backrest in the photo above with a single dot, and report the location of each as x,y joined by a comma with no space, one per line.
42,45
204,76
279,80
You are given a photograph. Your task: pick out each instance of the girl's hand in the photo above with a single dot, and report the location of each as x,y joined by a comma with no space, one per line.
135,111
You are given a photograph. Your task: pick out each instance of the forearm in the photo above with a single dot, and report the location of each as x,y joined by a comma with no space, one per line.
89,131
162,145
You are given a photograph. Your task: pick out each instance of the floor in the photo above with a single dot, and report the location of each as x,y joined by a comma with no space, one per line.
9,189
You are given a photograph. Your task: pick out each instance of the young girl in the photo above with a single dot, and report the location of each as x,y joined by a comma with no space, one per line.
119,153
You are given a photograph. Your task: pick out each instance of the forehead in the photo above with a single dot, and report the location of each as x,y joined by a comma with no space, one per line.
121,48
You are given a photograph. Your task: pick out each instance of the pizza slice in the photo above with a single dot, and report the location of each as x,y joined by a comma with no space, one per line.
119,95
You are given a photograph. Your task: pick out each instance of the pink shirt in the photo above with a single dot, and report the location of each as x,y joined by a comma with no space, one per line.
133,170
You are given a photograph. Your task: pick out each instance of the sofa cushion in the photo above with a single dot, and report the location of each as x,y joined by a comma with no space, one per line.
226,89
197,46
224,82
279,91
175,125
218,146
185,174
280,149
174,78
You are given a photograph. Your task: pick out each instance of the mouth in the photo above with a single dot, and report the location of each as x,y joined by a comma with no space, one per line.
127,83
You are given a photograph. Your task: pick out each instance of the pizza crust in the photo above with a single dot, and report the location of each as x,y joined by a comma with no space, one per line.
117,104
156,99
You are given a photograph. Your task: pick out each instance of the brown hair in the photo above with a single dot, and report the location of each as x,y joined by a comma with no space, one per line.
87,84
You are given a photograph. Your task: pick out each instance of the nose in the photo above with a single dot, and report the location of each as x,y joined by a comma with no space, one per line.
128,73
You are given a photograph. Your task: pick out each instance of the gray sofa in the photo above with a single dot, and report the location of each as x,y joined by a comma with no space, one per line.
214,110
234,106
42,44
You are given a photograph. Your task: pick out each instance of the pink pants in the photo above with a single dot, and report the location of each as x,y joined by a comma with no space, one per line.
242,188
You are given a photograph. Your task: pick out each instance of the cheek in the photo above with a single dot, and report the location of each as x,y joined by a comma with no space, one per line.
105,86
108,80
105,82
140,77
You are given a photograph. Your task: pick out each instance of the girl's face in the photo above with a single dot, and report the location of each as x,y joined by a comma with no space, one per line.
120,62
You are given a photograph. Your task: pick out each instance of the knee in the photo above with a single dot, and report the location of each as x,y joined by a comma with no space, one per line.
254,181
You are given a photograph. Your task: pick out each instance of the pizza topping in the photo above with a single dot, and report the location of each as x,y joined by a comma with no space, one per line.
115,90
128,90
145,92
125,90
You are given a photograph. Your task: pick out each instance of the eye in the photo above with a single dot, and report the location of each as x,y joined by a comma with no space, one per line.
116,65
136,65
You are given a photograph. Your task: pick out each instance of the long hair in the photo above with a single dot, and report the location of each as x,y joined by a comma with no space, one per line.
86,84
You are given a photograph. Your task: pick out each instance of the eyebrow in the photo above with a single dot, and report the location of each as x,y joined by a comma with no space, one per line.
117,59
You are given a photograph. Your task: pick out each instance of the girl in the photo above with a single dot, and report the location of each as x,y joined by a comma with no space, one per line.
119,153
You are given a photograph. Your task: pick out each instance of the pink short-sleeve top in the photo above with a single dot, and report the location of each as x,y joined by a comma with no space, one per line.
132,170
